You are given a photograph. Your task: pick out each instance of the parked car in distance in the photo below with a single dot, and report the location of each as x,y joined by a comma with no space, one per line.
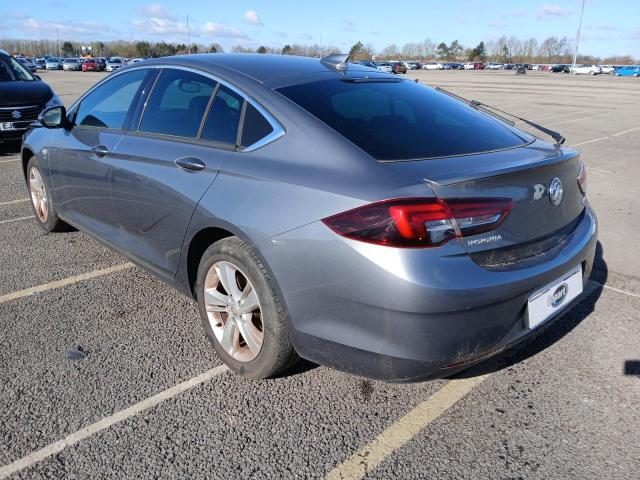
114,63
431,253
468,66
433,66
71,64
90,65
41,63
412,65
478,66
398,68
586,69
494,66
28,64
53,63
385,67
22,98
560,68
627,71
368,63
134,61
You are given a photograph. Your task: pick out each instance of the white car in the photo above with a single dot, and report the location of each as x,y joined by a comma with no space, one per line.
606,68
114,63
468,66
433,66
586,69
135,60
494,66
385,67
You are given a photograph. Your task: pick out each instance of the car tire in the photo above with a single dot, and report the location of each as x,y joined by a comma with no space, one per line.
41,203
266,323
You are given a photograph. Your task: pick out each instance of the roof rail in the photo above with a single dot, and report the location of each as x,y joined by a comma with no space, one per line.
337,62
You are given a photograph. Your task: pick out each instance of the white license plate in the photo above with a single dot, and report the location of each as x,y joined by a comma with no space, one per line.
554,297
7,126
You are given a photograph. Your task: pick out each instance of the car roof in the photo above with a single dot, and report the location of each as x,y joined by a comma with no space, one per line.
273,71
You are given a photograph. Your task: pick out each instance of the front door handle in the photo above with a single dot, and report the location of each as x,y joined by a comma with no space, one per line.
191,163
100,150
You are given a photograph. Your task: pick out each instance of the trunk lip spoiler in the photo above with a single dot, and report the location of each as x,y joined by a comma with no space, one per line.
488,109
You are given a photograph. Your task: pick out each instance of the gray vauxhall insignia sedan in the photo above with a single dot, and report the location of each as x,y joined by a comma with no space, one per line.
321,209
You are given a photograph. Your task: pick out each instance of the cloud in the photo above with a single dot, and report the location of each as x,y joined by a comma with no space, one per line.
75,28
222,30
498,25
348,26
159,26
155,10
252,17
281,34
556,11
603,27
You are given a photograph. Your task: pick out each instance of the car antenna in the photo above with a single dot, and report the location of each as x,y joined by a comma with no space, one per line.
338,62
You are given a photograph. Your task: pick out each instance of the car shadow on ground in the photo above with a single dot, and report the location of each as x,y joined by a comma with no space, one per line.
547,335
9,148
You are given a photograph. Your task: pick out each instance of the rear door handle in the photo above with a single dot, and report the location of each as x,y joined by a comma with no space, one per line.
100,150
190,163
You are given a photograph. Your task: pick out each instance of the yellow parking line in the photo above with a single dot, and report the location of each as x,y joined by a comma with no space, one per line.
100,425
372,454
62,283
13,202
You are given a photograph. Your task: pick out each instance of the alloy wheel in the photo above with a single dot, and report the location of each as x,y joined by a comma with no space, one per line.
38,195
233,311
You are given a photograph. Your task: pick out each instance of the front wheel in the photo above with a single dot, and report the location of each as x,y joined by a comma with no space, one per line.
240,311
45,214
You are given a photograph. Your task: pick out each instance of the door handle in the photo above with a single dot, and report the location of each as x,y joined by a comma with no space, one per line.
191,163
100,150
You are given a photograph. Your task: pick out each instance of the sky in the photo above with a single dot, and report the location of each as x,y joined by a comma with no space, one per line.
609,27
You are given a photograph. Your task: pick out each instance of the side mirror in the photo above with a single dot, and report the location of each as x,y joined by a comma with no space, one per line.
53,117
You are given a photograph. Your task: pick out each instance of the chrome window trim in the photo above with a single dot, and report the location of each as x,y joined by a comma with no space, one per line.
278,129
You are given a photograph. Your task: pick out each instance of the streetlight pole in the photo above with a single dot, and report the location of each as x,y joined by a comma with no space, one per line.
188,36
575,52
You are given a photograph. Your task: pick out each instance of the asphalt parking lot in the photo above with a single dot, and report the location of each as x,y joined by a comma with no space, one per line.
149,398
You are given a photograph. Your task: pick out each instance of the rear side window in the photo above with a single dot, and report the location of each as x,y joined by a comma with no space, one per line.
403,120
224,117
255,126
107,106
177,103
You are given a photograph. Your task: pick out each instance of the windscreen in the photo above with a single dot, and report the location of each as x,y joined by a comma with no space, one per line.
403,120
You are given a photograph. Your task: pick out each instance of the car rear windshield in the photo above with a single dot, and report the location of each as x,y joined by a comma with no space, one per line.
403,120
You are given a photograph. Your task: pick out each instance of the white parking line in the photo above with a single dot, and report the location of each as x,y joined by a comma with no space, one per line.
557,115
403,430
13,202
614,289
107,422
578,119
62,283
626,131
17,219
12,160
589,141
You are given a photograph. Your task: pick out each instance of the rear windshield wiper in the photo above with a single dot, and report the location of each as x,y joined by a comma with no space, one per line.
490,110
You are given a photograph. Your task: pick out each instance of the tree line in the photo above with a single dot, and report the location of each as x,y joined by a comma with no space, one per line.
510,49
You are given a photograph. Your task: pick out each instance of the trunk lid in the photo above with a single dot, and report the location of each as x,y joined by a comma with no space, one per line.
525,175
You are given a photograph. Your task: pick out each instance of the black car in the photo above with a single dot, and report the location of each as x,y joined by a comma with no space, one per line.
22,97
560,69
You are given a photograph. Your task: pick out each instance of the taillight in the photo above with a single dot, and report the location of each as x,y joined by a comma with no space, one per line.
582,178
420,222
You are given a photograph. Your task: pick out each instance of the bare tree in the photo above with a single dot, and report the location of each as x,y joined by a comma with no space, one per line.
390,51
410,50
428,48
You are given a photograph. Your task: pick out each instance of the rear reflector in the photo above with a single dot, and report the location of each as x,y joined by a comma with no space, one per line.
420,222
582,178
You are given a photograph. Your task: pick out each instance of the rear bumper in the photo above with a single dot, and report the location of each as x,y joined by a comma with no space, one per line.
404,314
